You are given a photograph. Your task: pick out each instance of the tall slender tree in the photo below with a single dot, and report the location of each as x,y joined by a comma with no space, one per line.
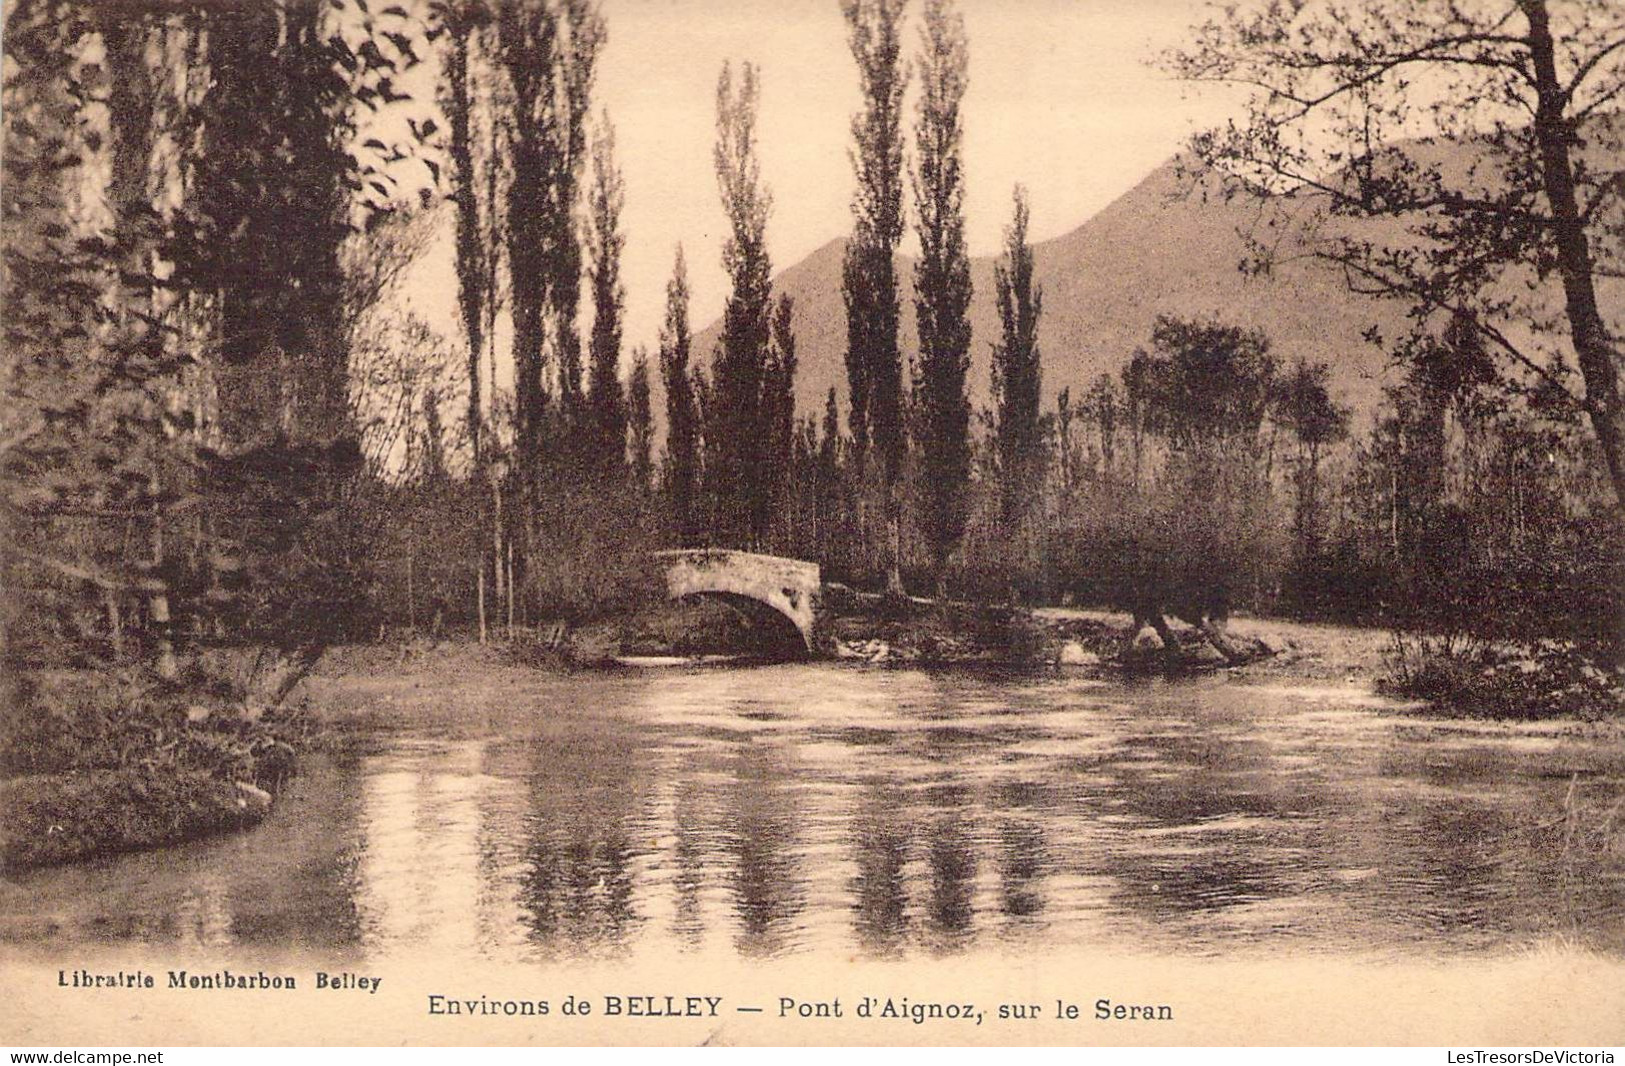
640,420
1017,376
566,157
874,363
830,491
529,52
779,413
736,430
1103,404
682,461
942,285
605,240
549,53
462,23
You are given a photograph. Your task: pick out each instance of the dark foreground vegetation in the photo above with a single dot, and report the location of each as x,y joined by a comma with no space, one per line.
96,763
226,430
1549,679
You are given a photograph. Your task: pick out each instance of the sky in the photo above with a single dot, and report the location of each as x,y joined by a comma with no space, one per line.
1063,97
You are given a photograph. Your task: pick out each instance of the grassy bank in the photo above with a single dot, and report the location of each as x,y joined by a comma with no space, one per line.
96,763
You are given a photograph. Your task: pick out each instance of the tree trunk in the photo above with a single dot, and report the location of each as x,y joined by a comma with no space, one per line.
479,593
1170,643
894,567
496,537
1600,364
115,623
1220,640
163,662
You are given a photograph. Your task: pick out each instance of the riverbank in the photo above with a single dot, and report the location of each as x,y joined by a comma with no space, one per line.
1069,642
1310,651
917,631
99,763
926,633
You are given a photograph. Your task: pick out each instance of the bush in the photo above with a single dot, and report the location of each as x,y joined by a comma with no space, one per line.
61,818
102,762
120,720
1339,583
1465,675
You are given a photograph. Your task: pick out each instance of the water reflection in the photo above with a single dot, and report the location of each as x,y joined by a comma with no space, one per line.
1023,854
882,837
576,841
807,808
420,877
691,814
763,851
951,846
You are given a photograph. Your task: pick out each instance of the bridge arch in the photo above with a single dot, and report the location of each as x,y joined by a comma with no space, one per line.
789,586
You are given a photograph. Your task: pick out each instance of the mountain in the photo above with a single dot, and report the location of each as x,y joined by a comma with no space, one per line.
1160,248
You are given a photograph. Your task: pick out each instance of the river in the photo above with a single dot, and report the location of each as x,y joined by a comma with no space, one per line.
831,811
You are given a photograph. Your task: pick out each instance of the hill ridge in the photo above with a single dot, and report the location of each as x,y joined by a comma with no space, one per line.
1165,246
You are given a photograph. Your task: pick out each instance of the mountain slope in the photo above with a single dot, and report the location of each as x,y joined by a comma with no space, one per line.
1173,246
1157,249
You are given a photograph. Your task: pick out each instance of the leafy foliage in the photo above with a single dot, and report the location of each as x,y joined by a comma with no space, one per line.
1351,111
1018,432
874,362
608,422
942,286
681,474
739,419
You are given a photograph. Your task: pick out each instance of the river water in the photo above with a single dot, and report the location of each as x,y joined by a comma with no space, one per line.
817,809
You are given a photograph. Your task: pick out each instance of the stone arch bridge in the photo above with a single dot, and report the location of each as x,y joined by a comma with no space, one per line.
791,587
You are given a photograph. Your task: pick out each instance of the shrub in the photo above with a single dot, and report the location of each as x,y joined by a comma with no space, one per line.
65,817
113,761
1469,676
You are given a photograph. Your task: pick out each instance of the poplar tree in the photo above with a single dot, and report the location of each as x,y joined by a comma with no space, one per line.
549,53
874,365
681,475
831,486
566,157
1017,377
606,401
736,429
779,413
640,420
462,23
942,285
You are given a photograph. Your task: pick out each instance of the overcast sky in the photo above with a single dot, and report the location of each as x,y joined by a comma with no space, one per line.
1063,98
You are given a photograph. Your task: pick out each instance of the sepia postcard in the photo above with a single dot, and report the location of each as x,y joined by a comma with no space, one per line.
813,522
